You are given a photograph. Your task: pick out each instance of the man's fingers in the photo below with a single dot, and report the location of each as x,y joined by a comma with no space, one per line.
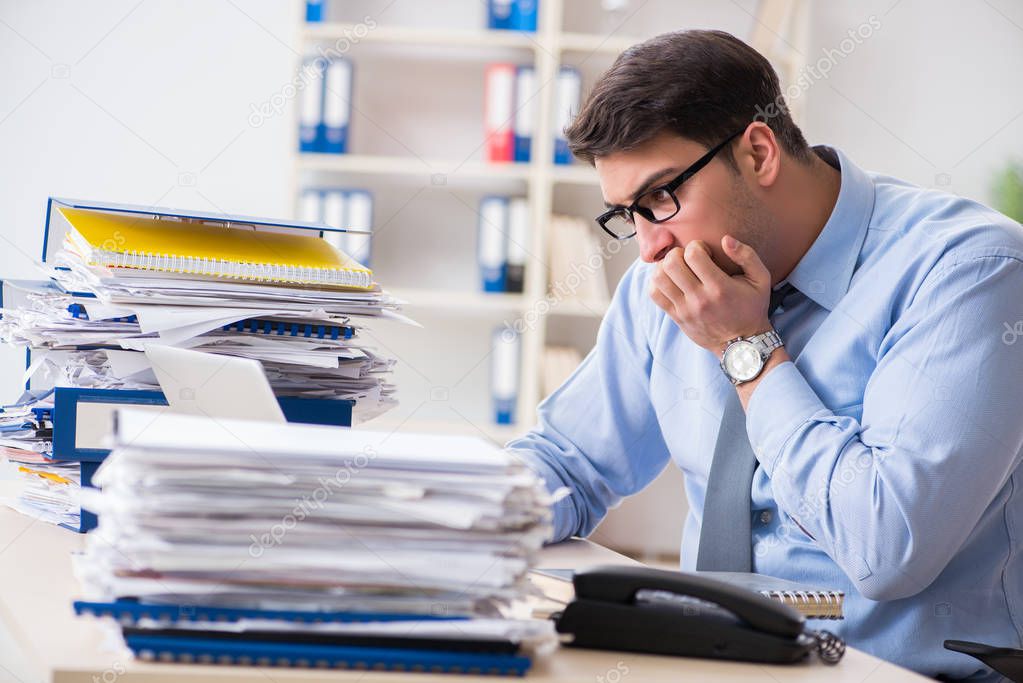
662,300
697,255
746,257
674,266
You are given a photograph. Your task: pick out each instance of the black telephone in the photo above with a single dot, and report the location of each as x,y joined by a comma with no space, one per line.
640,609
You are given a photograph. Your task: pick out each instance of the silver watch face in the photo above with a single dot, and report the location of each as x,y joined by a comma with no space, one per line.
742,361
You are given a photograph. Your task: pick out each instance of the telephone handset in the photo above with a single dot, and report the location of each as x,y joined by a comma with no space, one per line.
640,609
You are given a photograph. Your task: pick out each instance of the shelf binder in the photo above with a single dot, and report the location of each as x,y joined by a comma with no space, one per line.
569,95
525,111
200,650
499,14
360,217
524,14
310,206
337,105
310,110
492,247
504,374
518,244
498,111
314,10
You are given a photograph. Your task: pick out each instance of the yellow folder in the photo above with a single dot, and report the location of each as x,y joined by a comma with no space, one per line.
169,245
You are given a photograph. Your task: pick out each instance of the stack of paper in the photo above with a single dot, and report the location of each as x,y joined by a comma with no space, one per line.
276,526
291,301
46,489
304,353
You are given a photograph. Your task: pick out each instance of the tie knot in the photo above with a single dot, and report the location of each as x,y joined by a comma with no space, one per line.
778,297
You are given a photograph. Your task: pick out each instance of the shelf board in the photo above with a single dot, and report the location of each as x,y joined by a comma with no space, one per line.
457,301
432,171
410,35
480,38
595,43
575,174
579,309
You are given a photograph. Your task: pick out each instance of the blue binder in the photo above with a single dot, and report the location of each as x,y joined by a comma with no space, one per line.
568,94
504,374
337,105
499,14
74,426
153,647
525,111
130,612
492,246
310,110
523,16
314,10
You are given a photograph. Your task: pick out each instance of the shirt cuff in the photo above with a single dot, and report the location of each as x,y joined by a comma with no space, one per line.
780,403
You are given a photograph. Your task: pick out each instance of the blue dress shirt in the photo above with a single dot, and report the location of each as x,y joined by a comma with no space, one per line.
888,449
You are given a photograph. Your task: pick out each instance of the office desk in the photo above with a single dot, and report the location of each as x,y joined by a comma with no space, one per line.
41,639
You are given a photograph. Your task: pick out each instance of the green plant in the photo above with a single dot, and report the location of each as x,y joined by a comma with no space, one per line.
1008,191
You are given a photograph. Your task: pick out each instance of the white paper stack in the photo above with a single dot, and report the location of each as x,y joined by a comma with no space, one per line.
253,515
308,340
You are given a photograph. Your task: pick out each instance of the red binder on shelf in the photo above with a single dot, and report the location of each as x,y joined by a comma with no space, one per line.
499,112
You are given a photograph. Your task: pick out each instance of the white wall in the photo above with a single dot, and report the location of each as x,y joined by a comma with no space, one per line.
932,96
139,102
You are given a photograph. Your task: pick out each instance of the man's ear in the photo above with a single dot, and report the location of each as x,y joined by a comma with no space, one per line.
759,154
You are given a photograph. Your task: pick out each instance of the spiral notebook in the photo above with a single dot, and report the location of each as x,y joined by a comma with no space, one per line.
173,245
812,603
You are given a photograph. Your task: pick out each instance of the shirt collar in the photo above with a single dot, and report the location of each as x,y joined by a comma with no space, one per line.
824,272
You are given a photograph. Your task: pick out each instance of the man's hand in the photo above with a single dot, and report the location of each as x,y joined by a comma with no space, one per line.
709,305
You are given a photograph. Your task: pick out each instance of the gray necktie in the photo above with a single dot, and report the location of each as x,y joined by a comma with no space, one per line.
726,536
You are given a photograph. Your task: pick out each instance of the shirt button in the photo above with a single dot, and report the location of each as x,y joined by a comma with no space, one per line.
765,517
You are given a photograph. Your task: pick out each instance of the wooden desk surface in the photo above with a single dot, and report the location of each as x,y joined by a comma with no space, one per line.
41,639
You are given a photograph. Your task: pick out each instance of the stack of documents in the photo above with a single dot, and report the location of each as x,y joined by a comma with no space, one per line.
124,278
320,544
45,489
312,353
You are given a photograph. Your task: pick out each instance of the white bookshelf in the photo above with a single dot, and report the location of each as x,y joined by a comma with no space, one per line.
549,188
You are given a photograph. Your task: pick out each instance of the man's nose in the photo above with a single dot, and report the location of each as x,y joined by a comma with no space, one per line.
655,240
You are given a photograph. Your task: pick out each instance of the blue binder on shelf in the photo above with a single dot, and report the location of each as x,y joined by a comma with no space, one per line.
492,245
504,374
568,95
351,209
499,14
310,107
524,14
525,111
314,10
337,105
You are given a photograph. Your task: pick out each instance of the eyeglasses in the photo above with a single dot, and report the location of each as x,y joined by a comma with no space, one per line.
658,204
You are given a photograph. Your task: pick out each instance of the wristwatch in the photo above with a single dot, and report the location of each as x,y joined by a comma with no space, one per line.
744,357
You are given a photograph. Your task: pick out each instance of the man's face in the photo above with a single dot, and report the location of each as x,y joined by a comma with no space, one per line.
714,202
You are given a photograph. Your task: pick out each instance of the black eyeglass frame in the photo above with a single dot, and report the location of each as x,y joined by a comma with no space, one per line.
670,187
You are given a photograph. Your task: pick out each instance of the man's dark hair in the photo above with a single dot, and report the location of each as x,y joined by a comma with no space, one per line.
701,85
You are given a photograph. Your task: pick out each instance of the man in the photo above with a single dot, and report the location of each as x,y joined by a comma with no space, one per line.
887,429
